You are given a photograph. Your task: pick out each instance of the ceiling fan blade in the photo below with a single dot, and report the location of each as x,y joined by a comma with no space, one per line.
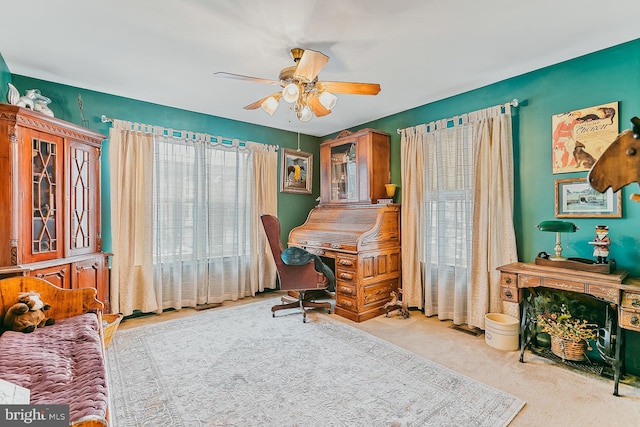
310,65
246,78
349,87
259,102
314,103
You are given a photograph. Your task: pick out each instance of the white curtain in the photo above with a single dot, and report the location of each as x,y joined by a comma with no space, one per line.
130,166
450,220
205,198
265,176
494,241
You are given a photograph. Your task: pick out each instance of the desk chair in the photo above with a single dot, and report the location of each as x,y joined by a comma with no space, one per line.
302,279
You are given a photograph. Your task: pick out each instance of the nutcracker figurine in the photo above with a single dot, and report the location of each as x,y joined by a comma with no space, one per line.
601,244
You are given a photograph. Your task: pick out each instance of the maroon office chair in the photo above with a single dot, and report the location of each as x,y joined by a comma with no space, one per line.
299,278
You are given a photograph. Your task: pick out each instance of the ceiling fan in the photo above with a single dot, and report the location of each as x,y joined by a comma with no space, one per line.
301,88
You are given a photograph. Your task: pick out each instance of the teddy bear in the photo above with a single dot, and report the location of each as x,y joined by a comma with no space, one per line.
27,314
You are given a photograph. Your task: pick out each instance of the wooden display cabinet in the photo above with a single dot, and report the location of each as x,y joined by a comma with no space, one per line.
354,167
52,198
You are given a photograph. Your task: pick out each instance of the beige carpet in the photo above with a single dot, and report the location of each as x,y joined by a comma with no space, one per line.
554,396
239,366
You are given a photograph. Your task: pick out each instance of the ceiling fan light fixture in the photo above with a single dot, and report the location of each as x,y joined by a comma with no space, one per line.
291,92
305,114
328,100
270,105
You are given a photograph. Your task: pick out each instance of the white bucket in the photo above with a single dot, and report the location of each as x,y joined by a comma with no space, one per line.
501,331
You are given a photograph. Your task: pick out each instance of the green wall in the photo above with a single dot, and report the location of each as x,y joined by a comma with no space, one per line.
292,208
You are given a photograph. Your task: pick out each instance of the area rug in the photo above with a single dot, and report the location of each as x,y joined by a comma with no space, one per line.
238,366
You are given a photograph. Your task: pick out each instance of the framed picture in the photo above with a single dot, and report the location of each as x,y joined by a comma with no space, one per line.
296,176
576,199
579,137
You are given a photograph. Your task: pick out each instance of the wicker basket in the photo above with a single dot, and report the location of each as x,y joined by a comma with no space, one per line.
568,349
110,324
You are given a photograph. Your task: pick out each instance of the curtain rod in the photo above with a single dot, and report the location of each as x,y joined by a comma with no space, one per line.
220,139
514,103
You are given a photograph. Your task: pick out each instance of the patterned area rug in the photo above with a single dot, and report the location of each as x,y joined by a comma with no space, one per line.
239,366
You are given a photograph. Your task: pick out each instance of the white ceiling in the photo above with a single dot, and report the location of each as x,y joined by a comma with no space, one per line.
419,51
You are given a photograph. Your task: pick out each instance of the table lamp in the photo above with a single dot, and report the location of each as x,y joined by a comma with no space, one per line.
557,227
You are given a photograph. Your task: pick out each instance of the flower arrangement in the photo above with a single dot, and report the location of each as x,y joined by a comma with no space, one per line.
565,327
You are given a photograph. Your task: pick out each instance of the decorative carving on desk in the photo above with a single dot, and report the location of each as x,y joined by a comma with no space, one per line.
528,281
563,284
609,294
370,238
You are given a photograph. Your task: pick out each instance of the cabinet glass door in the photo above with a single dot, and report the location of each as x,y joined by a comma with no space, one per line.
45,211
80,193
344,173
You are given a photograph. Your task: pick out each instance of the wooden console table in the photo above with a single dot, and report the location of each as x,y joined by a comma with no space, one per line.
617,289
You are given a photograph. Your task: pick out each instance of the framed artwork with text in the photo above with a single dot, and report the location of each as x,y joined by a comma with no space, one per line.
579,137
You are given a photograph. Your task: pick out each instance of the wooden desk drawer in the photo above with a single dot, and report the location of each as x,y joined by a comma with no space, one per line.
346,275
379,292
346,289
509,280
346,303
566,285
631,299
629,319
346,262
509,294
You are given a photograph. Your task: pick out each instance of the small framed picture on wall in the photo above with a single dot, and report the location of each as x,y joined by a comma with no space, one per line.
295,175
576,199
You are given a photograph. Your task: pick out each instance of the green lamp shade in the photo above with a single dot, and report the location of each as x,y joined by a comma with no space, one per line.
557,226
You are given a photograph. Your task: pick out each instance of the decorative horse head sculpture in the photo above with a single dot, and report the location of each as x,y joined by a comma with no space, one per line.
619,165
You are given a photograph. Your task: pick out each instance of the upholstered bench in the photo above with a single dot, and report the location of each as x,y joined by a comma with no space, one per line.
63,363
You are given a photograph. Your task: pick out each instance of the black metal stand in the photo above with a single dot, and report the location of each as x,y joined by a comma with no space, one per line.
606,343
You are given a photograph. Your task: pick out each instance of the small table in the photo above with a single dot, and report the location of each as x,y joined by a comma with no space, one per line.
616,288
